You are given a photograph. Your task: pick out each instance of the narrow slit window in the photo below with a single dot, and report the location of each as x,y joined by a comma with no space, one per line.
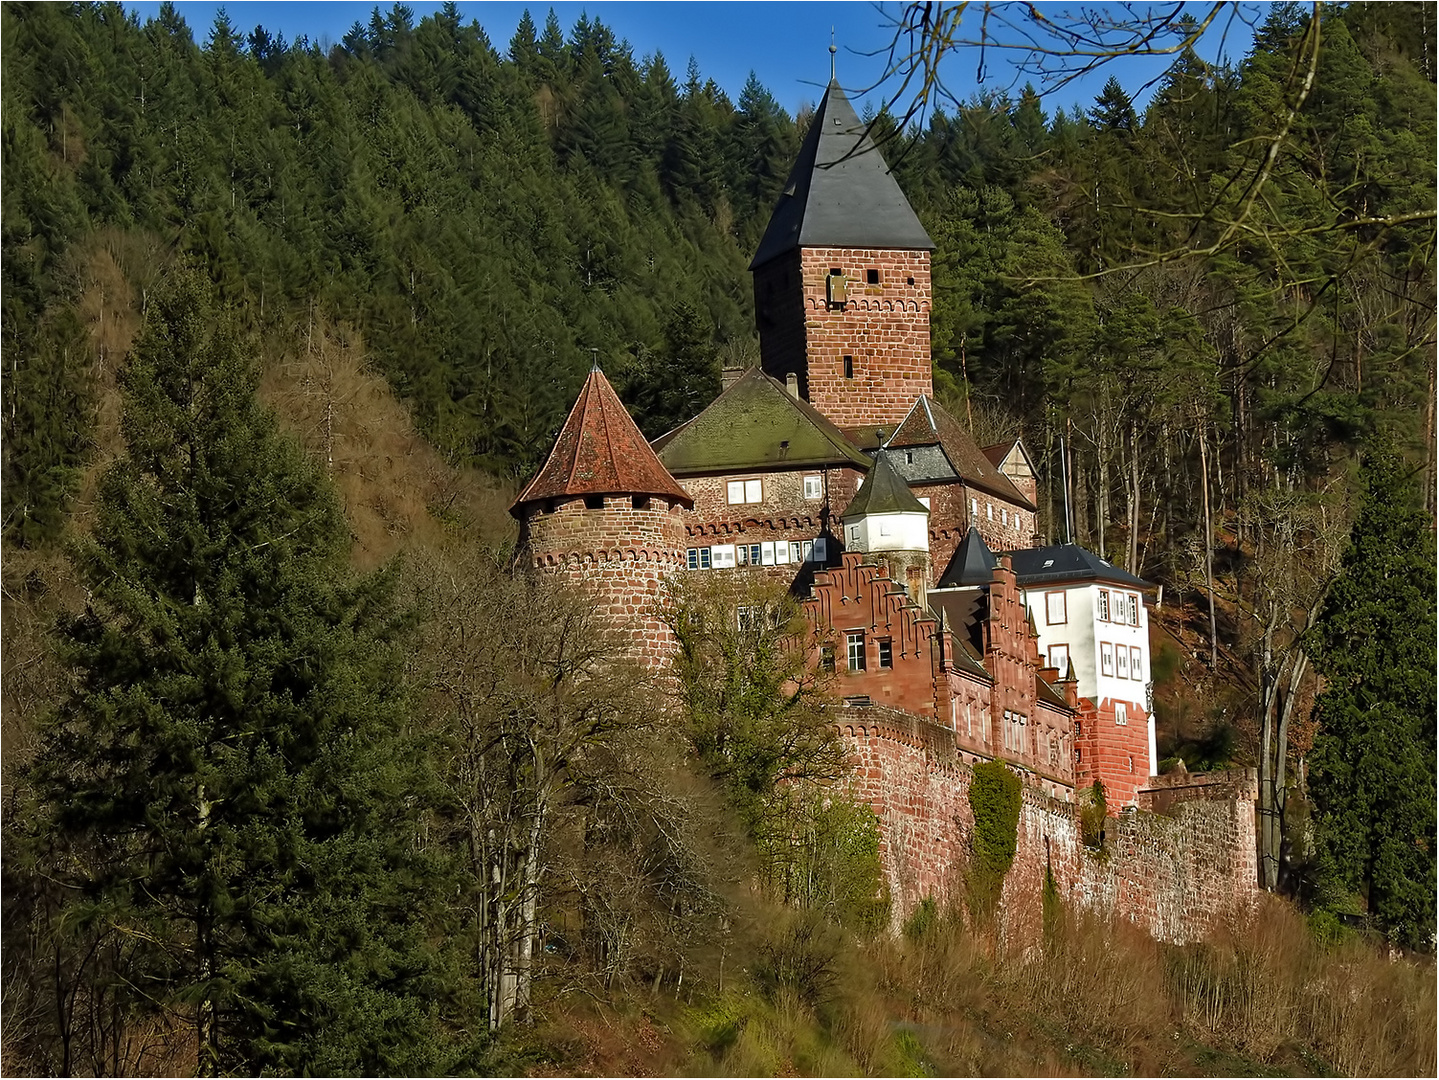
848,366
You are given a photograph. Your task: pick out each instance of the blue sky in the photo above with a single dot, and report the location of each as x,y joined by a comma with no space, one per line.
786,44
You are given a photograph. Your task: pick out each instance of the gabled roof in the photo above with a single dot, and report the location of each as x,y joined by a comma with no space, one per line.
1000,451
972,563
756,424
883,492
928,424
600,451
840,192
1066,563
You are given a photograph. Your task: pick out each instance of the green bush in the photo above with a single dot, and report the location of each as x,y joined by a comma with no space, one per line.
994,797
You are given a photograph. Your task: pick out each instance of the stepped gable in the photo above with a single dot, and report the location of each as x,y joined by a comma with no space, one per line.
973,564
927,425
756,424
884,492
1067,562
840,193
600,451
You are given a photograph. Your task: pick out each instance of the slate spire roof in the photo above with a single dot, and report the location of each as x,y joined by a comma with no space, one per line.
1065,563
840,192
884,492
600,451
973,563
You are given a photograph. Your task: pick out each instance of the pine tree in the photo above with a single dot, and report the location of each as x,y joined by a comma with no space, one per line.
1374,761
225,785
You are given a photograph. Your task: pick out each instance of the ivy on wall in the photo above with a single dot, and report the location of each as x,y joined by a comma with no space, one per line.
994,797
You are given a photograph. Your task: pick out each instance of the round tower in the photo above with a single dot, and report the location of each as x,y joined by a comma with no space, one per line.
603,512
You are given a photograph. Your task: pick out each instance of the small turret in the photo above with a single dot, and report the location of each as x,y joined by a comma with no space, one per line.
886,520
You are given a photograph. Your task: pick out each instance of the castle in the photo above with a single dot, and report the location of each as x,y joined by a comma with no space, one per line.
952,636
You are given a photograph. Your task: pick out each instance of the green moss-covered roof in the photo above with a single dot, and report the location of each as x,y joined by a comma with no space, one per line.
756,424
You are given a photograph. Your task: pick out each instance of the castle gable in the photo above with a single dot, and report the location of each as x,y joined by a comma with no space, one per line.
929,425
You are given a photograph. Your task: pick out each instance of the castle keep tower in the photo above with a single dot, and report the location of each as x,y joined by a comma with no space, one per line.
841,279
604,511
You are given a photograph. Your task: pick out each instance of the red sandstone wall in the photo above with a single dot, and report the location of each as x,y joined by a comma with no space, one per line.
622,553
784,510
1174,874
884,327
949,520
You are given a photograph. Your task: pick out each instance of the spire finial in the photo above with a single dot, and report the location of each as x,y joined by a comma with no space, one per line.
594,358
832,51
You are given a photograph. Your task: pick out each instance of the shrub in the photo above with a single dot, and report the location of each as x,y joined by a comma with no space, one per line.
994,797
1092,812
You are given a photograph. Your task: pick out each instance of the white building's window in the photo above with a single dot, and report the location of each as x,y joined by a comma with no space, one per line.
745,491
814,487
1136,663
722,555
854,534
855,644
1102,607
1054,608
1059,659
1133,601
1121,661
1106,657
1121,714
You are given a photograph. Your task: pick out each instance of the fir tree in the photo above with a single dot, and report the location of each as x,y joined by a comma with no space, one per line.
224,785
1374,761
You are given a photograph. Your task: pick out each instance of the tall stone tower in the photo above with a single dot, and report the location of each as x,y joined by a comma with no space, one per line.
841,278
604,512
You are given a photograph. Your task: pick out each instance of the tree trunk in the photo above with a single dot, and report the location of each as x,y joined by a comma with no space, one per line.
1132,555
1208,548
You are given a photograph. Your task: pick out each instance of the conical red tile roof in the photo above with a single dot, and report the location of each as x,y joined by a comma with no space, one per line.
600,451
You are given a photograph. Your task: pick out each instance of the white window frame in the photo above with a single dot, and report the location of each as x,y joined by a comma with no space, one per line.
1136,663
1121,713
1101,606
722,556
1059,659
1133,602
743,492
1121,662
854,650
1106,658
973,508
1049,598
814,487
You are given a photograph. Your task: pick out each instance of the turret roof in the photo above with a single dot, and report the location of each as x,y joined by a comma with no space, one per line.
840,192
972,564
884,492
756,424
927,424
600,451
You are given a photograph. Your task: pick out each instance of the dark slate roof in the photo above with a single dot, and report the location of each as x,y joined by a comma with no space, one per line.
972,563
928,424
1067,562
600,451
883,492
1047,693
961,613
756,424
840,192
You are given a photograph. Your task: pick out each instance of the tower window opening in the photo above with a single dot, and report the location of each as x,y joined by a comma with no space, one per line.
849,367
594,502
871,277
640,502
909,281
886,653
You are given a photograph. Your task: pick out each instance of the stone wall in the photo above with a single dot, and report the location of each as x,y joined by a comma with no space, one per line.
882,326
622,549
1174,873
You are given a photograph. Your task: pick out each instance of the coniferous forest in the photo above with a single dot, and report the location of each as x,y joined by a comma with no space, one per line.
298,778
